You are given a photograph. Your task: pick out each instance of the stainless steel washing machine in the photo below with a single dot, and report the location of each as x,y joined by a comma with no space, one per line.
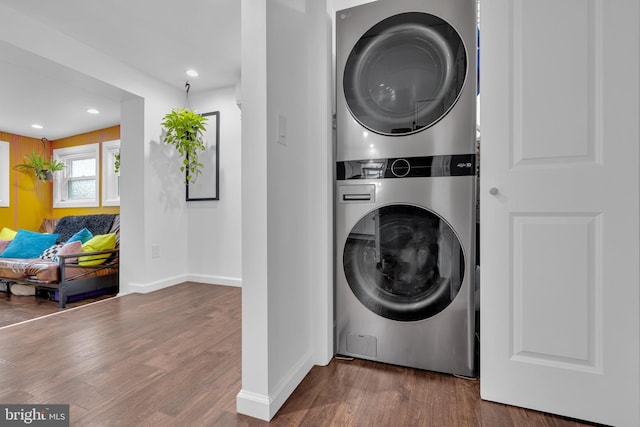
406,79
405,262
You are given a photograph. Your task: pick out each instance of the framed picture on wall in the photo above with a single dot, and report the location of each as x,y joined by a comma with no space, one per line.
207,185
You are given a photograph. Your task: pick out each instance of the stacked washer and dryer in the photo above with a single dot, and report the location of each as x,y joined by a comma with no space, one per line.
406,183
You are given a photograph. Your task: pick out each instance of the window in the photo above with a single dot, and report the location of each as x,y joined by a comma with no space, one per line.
4,174
110,177
77,184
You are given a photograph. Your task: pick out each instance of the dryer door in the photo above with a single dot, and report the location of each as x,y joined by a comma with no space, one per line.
403,262
405,73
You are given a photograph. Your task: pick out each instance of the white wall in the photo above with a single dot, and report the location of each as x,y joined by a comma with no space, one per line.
253,399
165,217
286,199
320,169
288,209
214,231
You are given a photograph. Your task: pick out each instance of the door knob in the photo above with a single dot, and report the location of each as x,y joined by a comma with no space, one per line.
493,191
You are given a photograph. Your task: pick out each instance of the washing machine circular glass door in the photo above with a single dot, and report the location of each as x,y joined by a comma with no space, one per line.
403,262
405,74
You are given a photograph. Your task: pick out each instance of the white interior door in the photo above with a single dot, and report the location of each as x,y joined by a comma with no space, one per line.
560,323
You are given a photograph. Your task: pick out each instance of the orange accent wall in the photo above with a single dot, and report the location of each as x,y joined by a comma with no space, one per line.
31,199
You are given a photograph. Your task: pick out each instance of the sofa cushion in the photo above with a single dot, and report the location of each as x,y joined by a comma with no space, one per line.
7,234
101,242
4,244
82,236
51,252
28,269
70,248
28,244
115,228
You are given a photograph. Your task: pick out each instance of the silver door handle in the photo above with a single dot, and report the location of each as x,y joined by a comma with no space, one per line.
493,191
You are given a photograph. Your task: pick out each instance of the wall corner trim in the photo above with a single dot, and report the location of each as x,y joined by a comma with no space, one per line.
253,405
265,407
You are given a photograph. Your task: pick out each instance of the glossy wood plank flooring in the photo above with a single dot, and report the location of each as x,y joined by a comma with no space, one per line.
17,308
172,358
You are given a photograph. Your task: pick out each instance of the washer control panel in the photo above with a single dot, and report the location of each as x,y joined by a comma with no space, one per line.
408,167
400,168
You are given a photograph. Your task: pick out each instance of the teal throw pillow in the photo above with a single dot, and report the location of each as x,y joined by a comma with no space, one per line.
28,244
83,236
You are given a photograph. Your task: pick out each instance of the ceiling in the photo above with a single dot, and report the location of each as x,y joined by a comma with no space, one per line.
161,38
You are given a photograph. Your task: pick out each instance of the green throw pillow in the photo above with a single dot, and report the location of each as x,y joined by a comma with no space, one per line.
7,234
100,242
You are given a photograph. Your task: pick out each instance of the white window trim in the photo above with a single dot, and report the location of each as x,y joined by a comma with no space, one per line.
4,174
64,154
110,197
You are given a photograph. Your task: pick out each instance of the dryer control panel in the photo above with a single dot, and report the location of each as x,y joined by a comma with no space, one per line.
409,167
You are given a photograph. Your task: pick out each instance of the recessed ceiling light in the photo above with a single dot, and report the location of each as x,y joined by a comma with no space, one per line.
192,73
36,126
92,111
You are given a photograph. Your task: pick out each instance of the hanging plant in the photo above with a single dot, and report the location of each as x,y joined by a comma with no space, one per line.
185,129
42,168
116,163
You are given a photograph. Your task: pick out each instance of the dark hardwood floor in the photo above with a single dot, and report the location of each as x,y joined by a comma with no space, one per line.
172,358
16,308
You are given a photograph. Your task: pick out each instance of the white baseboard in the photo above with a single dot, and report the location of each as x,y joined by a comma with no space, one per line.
215,280
253,405
265,407
289,383
145,288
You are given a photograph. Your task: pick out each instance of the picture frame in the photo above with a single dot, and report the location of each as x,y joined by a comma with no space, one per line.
207,185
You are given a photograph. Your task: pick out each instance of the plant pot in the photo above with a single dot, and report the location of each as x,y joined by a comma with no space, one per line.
44,175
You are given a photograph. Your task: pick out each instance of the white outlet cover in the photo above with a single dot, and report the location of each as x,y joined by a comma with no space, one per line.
282,129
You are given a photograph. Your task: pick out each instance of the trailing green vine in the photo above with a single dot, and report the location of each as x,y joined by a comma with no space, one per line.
185,129
116,162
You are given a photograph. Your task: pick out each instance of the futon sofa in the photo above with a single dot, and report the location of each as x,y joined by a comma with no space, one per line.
64,275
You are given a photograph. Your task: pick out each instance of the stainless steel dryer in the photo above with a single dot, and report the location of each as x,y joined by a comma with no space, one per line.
405,255
406,79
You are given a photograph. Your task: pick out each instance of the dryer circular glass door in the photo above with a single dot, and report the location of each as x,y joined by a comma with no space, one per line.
403,262
405,73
